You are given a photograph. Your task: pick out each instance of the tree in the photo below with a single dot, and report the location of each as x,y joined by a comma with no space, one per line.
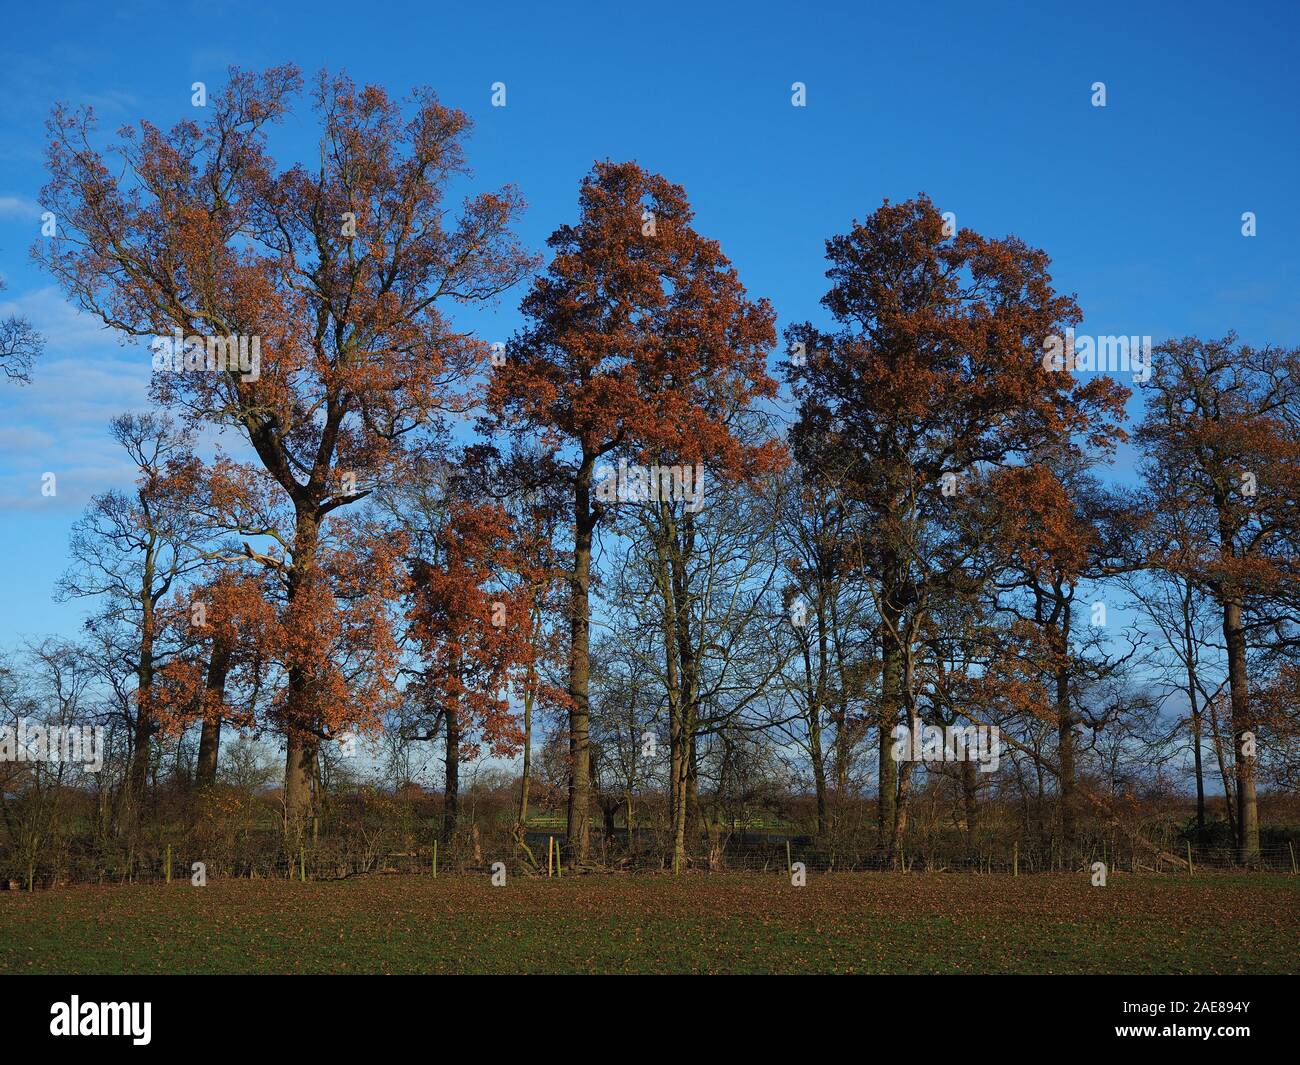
1181,613
228,622
471,645
335,278
131,553
52,683
829,623
637,320
935,372
20,344
1223,425
534,501
1056,529
694,605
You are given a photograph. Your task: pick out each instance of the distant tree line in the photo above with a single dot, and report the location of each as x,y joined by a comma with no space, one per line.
608,552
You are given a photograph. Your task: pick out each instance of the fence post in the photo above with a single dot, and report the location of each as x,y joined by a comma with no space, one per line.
1189,857
1015,858
169,863
302,864
788,867
550,856
1291,847
559,865
435,859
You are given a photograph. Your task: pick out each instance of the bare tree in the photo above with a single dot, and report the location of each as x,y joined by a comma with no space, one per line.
20,344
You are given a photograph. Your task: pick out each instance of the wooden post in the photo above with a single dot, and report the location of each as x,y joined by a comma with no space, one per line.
1291,847
559,865
789,868
169,863
550,856
435,859
1015,858
302,864
1189,857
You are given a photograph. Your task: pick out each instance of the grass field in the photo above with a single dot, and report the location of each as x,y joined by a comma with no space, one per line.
844,922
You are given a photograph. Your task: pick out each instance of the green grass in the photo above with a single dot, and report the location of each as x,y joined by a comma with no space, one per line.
882,923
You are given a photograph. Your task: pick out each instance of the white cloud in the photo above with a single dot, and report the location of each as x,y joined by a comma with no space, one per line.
19,207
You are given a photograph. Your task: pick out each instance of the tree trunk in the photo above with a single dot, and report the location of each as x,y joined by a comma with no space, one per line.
906,769
891,702
680,539
213,699
901,807
300,724
1189,660
1229,796
678,727
819,774
299,763
629,819
451,778
1234,635
816,696
970,804
843,741
1065,757
521,816
695,816
677,749
137,773
1200,770
579,811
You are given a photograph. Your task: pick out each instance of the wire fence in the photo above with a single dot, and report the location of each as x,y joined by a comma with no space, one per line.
174,865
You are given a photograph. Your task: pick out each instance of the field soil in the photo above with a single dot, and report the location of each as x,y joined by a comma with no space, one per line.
747,923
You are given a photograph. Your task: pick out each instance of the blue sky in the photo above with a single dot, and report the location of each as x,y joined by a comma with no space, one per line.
985,107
